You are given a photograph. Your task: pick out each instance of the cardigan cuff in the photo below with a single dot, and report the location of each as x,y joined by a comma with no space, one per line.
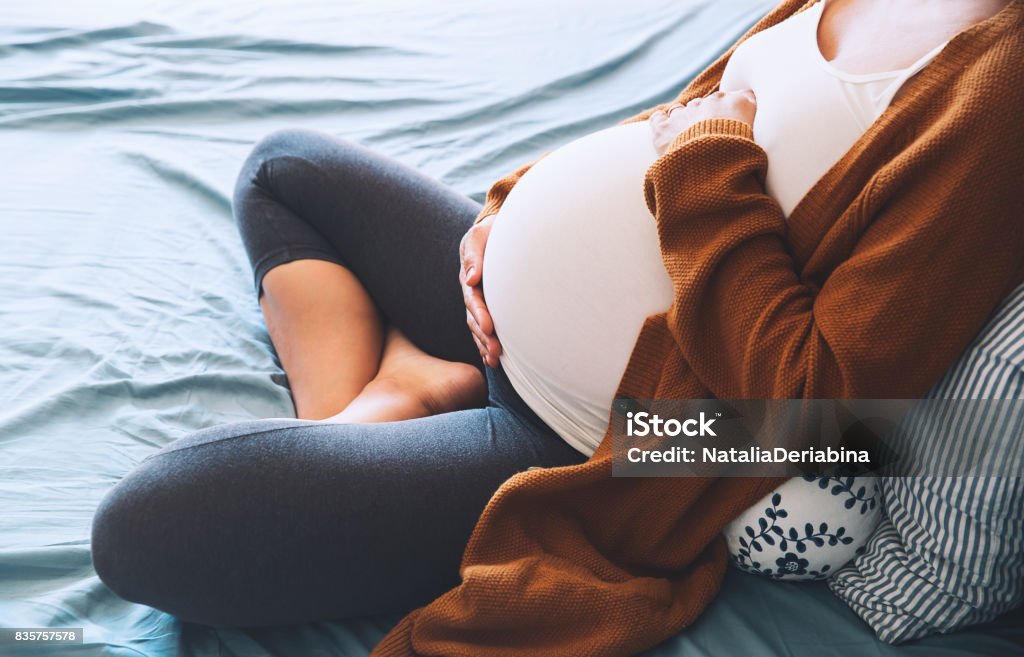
486,212
491,206
712,127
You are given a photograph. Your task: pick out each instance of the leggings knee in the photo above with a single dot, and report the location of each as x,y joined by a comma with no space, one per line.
275,145
288,166
294,144
117,553
141,544
152,534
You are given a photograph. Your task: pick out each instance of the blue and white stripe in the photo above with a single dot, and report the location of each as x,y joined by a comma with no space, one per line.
950,552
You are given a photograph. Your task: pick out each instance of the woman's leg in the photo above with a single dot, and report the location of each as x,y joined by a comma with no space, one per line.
411,383
344,241
326,331
283,521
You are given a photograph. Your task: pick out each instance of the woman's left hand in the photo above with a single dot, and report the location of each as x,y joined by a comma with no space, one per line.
666,124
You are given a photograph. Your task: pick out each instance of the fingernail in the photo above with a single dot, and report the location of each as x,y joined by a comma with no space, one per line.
469,272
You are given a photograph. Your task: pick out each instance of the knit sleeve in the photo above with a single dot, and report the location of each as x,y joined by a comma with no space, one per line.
934,244
500,190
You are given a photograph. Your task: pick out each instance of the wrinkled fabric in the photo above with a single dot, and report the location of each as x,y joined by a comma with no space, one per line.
127,317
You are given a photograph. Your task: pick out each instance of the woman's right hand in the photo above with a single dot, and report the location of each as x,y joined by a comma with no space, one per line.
471,253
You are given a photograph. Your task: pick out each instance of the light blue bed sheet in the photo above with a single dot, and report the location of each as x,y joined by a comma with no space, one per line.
127,317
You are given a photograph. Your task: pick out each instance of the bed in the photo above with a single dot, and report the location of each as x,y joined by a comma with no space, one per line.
128,318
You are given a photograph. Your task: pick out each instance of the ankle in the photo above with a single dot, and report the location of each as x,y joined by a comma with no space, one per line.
389,385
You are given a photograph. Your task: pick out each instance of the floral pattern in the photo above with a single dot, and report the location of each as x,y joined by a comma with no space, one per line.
777,540
845,485
792,564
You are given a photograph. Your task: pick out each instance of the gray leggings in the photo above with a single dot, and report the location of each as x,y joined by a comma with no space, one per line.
273,522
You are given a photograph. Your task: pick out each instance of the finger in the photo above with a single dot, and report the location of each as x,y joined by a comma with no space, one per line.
482,339
491,358
487,343
494,352
480,312
468,298
474,331
749,93
474,299
487,340
474,326
468,256
473,257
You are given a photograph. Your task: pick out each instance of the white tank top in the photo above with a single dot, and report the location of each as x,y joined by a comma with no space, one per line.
573,264
809,113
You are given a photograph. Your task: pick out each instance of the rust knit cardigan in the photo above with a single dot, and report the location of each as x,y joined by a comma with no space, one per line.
872,288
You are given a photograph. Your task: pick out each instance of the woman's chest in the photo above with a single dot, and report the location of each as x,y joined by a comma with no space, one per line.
809,112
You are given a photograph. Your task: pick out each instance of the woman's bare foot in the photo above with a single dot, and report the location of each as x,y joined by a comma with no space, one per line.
411,384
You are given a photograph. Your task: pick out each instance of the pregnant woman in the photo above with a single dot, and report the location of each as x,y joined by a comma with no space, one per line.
824,213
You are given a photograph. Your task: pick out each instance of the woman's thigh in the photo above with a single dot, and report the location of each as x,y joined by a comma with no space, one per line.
305,194
284,521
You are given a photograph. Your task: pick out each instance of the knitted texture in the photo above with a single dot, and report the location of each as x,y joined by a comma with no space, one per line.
877,282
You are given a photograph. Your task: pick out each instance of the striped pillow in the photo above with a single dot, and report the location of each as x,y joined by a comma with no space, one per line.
950,552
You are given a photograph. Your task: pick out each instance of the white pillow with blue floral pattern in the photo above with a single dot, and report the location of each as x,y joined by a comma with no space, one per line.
807,528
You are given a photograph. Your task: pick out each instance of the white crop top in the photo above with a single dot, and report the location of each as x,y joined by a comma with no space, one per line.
573,263
809,113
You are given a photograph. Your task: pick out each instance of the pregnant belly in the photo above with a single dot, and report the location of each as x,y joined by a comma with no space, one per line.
572,269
